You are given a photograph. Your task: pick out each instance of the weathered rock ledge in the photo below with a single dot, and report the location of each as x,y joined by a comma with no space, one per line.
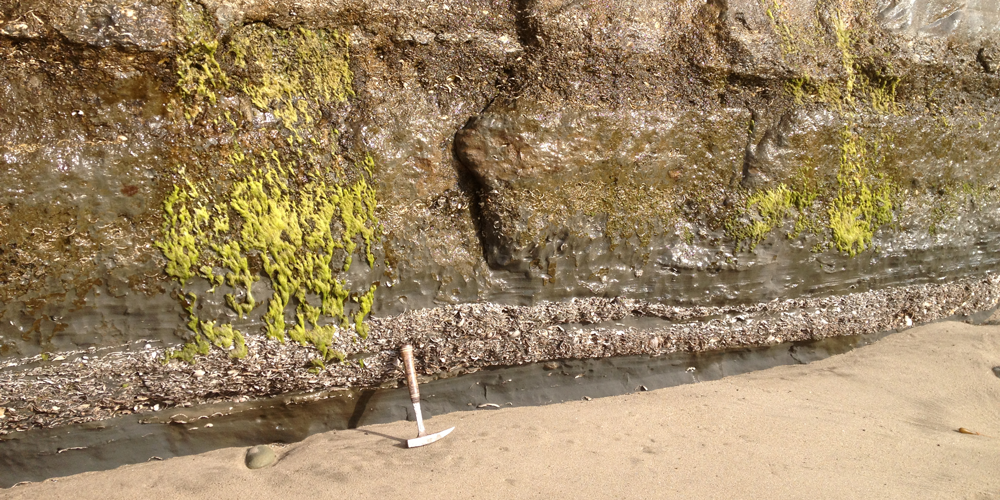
95,384
474,174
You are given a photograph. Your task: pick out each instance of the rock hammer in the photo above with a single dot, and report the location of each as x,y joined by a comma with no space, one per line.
411,381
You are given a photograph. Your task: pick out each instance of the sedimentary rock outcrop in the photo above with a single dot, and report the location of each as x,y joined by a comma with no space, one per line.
169,166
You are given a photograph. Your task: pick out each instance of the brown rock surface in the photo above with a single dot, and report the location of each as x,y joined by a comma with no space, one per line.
686,154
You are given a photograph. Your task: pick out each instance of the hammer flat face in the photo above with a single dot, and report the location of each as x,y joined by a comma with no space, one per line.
428,439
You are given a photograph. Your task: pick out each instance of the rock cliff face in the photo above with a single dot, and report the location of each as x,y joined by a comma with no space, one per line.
190,170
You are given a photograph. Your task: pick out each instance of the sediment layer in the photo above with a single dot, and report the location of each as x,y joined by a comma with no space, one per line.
452,340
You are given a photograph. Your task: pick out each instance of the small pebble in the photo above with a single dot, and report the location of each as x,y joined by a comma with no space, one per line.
260,456
996,371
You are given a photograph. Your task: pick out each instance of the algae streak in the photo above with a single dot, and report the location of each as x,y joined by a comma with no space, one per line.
291,212
287,71
199,74
305,233
864,199
844,214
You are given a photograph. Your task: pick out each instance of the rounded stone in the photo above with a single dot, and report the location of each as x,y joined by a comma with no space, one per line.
260,456
996,370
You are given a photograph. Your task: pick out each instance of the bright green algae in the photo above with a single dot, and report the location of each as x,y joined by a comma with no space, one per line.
304,232
200,77
285,69
864,200
864,196
298,212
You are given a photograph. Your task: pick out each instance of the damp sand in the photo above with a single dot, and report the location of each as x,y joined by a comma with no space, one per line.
878,422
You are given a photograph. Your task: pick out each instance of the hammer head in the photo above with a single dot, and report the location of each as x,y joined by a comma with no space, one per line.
428,439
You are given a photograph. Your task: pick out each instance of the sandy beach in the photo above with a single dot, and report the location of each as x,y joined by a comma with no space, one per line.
879,422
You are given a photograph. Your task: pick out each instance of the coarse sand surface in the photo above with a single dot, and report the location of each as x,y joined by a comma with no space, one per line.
878,422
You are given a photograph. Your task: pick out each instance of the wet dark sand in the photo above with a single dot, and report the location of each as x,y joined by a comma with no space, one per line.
878,422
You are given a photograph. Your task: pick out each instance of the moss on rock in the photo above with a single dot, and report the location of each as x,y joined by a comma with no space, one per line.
200,77
288,72
303,232
297,211
864,200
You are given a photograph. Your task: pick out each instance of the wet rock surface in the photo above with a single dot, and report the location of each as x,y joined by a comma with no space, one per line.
451,341
537,164
988,57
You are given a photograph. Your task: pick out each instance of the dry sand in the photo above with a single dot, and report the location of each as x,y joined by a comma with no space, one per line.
878,422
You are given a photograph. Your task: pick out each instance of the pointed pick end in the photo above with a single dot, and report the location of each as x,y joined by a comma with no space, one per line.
428,439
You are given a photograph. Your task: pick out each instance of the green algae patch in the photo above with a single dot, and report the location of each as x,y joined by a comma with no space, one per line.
845,42
863,80
864,200
207,334
775,12
199,76
758,213
293,227
290,72
763,211
767,210
182,231
881,89
303,221
844,214
366,301
877,90
295,216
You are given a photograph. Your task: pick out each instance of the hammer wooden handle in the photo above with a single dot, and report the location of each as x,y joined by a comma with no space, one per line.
411,374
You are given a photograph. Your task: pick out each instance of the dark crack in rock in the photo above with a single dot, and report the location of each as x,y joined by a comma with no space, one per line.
989,58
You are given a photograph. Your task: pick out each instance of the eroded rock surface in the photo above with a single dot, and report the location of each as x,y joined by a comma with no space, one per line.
688,153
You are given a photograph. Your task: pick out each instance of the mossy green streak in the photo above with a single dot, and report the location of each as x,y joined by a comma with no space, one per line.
295,216
304,233
287,70
200,77
864,200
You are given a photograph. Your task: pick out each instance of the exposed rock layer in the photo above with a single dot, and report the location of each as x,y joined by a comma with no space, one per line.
95,384
685,153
